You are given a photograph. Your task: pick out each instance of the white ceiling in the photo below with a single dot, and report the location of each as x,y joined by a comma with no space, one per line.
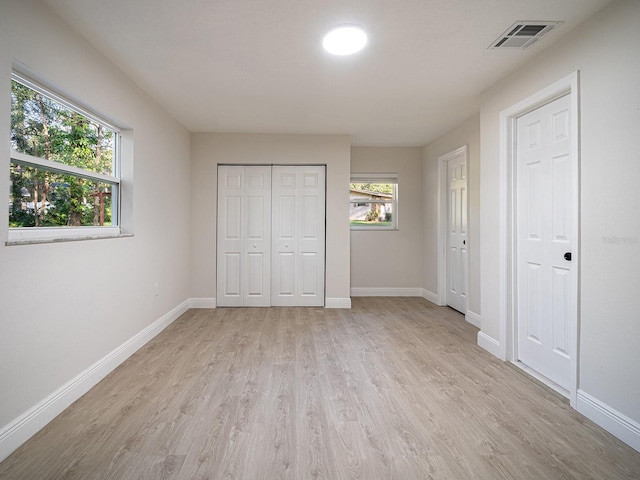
258,65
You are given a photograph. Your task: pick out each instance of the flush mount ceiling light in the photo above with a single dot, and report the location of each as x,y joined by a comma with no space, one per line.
345,40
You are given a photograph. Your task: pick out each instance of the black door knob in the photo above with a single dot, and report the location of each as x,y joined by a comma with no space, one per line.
567,256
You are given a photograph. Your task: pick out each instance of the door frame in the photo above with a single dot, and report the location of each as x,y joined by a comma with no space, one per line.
443,215
568,85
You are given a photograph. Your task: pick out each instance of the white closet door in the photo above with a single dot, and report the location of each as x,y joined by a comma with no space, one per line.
257,266
298,235
243,250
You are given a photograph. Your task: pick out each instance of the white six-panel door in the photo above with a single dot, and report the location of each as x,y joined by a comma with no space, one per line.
298,235
457,233
545,297
244,236
271,235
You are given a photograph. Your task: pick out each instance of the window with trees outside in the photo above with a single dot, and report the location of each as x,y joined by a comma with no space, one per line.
373,201
64,167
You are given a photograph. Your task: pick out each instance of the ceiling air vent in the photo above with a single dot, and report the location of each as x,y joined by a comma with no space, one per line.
522,35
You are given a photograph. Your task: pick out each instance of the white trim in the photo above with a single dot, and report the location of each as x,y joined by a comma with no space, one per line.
430,296
27,160
442,203
568,85
337,303
488,343
385,292
202,303
614,422
28,235
28,424
379,177
473,318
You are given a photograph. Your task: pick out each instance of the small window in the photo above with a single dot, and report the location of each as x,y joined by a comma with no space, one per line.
64,169
373,201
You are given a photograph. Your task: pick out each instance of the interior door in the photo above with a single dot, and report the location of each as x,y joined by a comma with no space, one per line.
298,235
457,233
544,266
244,233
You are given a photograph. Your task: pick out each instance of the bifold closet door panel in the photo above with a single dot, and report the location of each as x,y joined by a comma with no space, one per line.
244,236
229,236
257,248
298,235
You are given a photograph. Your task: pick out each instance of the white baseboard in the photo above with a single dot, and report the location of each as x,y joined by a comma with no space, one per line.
202,303
473,318
28,424
385,292
611,420
337,303
428,295
211,303
490,344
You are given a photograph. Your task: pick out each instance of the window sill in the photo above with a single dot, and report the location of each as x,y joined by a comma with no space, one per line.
373,229
68,237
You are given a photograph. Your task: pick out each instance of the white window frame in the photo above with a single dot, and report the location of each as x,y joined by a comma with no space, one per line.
21,235
378,178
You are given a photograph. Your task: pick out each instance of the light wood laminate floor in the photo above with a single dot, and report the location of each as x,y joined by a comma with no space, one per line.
393,388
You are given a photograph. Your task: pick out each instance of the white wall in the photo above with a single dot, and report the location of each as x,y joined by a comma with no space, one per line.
64,306
210,149
390,259
467,133
605,51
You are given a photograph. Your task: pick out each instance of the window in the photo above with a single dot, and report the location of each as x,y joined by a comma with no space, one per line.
64,169
373,201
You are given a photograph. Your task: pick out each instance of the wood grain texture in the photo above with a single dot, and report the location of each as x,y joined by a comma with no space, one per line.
395,388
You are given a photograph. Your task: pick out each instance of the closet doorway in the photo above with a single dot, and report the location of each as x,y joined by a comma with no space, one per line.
271,235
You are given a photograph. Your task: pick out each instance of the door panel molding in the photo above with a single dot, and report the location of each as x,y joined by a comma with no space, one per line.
507,226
